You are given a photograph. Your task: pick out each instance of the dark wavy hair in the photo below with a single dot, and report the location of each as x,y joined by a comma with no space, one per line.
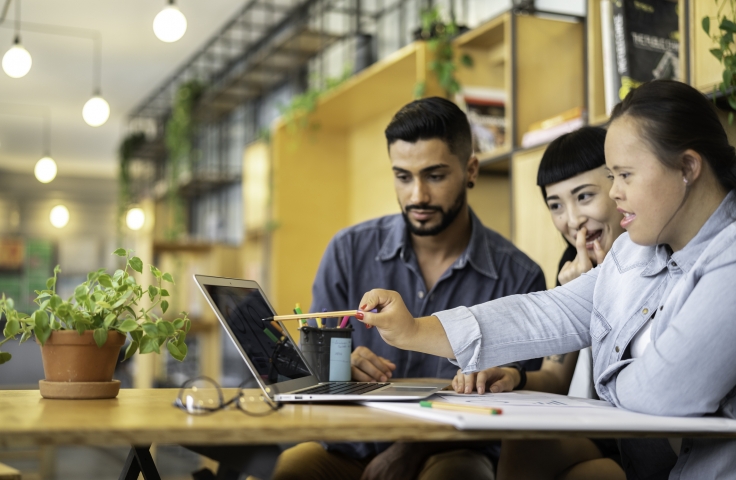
433,117
571,154
675,117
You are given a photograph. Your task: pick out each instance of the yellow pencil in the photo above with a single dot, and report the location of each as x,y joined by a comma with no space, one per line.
460,407
341,313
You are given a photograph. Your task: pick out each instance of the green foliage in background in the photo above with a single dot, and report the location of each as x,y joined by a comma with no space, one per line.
103,303
180,131
127,149
439,34
297,113
724,51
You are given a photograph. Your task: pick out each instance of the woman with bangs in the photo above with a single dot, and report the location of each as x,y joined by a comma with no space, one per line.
574,182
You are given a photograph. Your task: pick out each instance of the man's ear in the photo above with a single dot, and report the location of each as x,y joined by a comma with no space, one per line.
472,169
692,166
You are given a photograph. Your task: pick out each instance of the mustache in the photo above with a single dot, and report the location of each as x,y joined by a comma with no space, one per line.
423,207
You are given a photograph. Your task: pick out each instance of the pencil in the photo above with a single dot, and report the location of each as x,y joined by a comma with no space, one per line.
342,313
298,311
460,407
344,322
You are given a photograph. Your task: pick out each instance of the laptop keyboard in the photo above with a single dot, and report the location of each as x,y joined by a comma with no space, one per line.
343,388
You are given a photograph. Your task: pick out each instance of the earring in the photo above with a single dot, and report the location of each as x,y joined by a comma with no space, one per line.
685,180
471,184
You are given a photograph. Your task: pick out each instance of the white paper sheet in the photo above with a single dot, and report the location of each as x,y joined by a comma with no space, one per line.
534,411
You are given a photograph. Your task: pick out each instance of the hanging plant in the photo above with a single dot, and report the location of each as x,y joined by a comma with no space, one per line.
127,149
180,130
297,113
724,51
439,35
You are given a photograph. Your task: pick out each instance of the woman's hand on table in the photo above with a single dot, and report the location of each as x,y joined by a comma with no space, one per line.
496,379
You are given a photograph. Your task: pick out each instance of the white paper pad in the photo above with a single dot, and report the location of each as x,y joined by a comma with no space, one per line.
545,411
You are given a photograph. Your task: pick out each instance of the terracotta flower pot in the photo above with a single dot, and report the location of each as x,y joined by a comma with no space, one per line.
70,357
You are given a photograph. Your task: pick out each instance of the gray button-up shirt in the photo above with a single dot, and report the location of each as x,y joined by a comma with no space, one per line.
688,369
378,254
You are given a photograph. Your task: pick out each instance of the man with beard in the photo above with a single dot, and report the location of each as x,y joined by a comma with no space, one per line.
437,255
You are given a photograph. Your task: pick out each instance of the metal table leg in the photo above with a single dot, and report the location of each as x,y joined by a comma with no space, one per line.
139,461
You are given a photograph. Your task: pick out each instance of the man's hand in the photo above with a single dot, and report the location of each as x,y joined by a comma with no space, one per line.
572,270
500,379
366,366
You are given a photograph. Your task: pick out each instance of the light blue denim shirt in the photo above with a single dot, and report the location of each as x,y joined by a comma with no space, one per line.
688,369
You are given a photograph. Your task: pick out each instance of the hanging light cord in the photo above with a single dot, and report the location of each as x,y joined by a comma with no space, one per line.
75,32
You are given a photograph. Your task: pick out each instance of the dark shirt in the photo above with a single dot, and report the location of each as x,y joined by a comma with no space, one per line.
378,254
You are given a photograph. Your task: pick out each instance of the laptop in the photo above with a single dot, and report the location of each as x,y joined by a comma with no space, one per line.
275,359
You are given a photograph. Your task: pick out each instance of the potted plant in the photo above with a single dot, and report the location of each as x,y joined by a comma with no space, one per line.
81,337
724,51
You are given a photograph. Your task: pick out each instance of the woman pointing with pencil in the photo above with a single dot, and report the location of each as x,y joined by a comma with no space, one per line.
658,311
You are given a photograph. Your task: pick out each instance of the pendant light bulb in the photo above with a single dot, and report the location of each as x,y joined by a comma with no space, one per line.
96,111
170,24
17,61
59,216
135,218
45,170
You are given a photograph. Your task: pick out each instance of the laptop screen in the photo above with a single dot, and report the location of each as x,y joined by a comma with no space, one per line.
269,350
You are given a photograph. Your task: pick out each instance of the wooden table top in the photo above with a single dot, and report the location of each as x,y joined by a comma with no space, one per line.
146,416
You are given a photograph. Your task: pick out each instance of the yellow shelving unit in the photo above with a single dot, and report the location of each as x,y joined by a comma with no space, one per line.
596,99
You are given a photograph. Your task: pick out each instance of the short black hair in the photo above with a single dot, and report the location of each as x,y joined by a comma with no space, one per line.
433,117
572,154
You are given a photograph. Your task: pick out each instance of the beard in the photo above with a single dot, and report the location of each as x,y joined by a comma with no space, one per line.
446,217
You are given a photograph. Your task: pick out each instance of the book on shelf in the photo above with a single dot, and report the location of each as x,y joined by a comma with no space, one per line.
547,130
640,40
486,111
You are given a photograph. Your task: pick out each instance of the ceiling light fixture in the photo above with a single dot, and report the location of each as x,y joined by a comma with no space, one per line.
59,216
96,110
170,24
45,170
17,61
135,218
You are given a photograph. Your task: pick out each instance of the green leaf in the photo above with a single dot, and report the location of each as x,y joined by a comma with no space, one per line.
174,351
152,292
12,327
149,345
128,326
41,320
165,328
164,305
717,52
55,301
105,281
132,348
164,292
706,25
100,336
137,265
43,334
155,271
5,357
109,320
150,328
26,335
136,335
727,25
50,283
167,277
120,252
178,323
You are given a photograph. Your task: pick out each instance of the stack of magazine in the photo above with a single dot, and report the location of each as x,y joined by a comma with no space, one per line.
486,110
640,40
